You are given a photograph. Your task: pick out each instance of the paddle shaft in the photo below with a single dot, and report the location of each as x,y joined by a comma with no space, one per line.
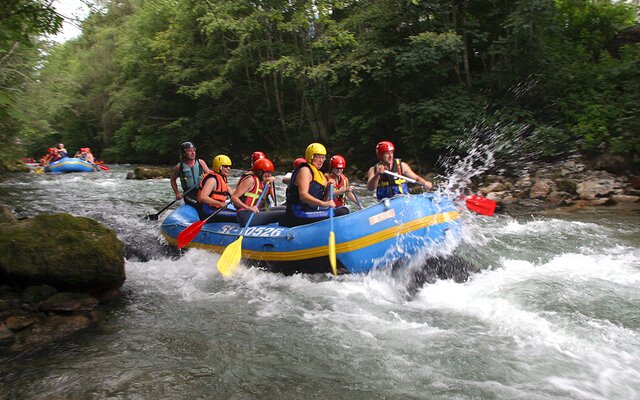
357,199
264,191
406,178
230,257
169,205
332,237
479,204
217,211
190,233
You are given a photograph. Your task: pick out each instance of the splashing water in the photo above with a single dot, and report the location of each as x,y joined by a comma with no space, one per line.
553,314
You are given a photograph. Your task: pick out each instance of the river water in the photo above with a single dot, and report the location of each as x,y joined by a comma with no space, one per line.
553,313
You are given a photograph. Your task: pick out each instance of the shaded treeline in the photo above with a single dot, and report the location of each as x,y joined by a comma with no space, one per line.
273,75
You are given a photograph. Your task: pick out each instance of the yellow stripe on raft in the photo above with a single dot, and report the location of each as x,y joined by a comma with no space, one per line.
344,247
69,163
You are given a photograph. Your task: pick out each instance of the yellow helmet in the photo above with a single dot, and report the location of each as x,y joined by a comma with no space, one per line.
219,161
314,148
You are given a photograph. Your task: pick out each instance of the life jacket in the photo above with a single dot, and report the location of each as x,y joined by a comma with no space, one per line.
189,177
222,188
340,200
316,189
251,197
389,186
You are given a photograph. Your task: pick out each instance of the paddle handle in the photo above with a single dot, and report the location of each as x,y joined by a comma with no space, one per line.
264,191
226,204
406,178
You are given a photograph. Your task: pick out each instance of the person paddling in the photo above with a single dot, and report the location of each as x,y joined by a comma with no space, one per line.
271,196
190,171
342,188
250,186
386,185
308,195
213,191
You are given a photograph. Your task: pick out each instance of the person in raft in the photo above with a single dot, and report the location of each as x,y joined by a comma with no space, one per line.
190,171
386,185
214,190
308,195
342,188
245,196
271,196
51,156
62,152
287,177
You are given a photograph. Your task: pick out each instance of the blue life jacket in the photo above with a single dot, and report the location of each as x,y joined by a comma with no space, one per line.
316,189
389,186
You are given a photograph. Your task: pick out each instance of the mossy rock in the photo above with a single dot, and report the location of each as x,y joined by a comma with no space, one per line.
63,251
13,166
152,172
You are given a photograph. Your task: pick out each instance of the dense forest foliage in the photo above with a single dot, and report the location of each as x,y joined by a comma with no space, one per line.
273,75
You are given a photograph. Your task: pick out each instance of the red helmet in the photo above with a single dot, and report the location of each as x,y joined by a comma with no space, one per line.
87,149
298,161
52,150
384,147
263,164
337,161
257,155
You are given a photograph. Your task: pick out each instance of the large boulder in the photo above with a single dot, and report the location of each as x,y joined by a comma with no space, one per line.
66,252
152,172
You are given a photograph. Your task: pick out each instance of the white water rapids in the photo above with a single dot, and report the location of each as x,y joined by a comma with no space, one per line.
554,313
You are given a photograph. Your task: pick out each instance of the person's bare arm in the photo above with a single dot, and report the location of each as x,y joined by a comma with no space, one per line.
303,180
204,166
373,178
203,196
408,172
243,187
174,176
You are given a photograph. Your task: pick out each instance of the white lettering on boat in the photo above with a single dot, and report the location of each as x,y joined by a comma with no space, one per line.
374,219
228,228
263,231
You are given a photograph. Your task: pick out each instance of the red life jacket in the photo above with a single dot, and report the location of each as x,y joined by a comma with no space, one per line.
340,200
251,197
222,188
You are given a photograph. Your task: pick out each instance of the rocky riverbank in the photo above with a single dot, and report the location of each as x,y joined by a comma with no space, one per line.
56,271
566,184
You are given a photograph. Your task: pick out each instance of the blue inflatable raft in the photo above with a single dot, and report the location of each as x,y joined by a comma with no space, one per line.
67,164
381,235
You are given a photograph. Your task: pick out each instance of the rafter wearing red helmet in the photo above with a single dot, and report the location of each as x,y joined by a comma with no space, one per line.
247,193
342,187
271,196
386,185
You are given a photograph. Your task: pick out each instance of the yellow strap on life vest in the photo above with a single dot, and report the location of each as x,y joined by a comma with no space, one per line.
318,176
398,181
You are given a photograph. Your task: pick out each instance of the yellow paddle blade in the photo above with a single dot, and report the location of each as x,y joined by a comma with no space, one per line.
332,253
230,258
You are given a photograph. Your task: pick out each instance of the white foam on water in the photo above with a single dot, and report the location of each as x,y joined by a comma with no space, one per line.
604,354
